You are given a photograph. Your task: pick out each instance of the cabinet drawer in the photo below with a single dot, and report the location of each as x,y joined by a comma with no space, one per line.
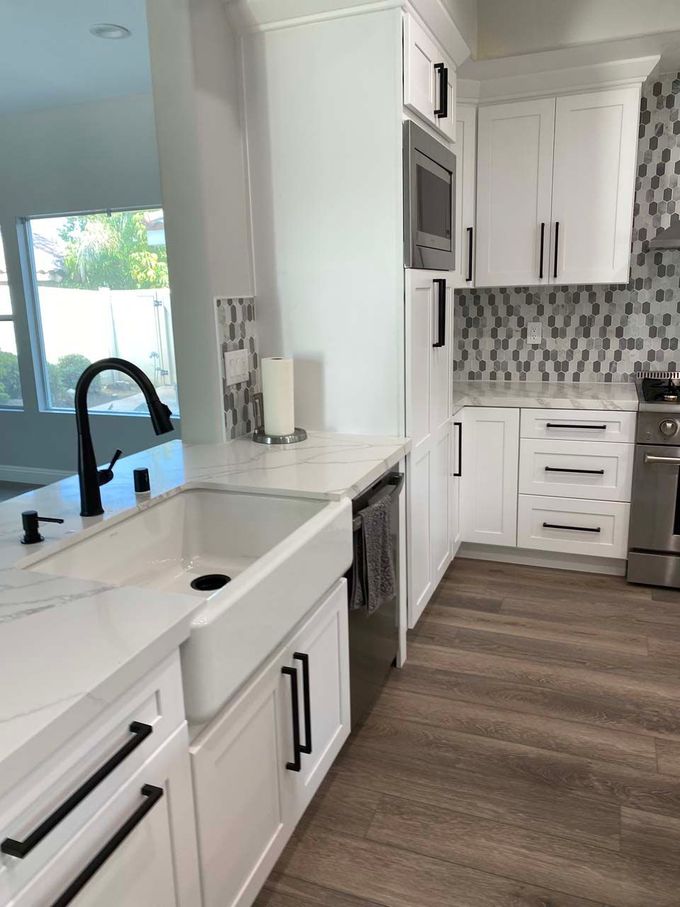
87,771
576,469
578,425
597,528
154,863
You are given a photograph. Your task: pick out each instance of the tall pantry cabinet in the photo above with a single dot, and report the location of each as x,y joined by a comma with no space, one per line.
325,101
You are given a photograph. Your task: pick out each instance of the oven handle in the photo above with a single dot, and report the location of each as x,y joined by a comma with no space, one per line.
651,458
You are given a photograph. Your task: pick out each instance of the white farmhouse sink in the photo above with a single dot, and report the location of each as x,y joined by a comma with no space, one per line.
280,554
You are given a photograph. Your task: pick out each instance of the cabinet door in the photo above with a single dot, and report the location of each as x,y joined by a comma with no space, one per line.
455,520
428,390
593,186
490,465
238,764
423,62
514,187
320,655
155,863
466,167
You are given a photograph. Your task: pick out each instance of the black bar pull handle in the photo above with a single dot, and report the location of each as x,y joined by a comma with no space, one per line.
584,472
540,259
296,764
557,241
306,747
572,528
443,109
20,849
578,427
152,795
459,471
440,283
470,232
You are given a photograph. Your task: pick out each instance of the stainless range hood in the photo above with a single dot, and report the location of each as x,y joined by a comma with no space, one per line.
668,238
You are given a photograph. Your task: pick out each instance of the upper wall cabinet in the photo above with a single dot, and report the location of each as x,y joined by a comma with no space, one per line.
429,79
514,188
556,178
593,185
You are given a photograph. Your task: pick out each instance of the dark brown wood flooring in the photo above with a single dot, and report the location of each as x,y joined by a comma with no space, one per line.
528,755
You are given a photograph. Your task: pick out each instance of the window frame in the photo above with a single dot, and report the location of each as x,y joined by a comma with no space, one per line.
32,295
11,318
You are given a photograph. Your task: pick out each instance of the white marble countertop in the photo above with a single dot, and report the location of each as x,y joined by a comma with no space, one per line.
68,647
546,394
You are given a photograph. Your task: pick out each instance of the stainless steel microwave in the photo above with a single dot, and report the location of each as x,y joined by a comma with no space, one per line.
429,201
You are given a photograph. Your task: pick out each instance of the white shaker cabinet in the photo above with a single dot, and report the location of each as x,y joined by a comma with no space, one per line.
556,178
455,483
465,150
514,189
490,461
254,769
593,186
429,322
429,79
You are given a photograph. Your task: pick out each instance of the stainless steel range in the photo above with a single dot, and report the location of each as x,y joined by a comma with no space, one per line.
654,539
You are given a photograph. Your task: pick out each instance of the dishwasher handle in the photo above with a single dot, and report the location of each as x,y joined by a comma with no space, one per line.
392,487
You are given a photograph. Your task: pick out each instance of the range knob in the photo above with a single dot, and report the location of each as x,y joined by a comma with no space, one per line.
668,428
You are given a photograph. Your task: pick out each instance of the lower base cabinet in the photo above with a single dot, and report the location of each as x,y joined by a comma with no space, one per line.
259,763
155,863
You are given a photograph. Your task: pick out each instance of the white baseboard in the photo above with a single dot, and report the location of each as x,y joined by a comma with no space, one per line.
530,558
31,475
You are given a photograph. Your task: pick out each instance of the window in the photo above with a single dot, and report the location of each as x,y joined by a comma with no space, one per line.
101,287
10,385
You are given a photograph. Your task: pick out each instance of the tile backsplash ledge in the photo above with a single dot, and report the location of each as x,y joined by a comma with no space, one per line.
593,333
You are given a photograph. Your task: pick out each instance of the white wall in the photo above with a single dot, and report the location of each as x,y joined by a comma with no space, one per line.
509,27
84,157
326,182
195,74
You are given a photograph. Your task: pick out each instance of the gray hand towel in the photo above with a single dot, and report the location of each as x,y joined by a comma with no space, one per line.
379,576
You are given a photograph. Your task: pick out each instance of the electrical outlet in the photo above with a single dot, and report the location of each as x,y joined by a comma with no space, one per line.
236,367
535,333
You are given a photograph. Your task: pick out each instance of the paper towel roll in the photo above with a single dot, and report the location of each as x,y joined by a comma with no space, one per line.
277,391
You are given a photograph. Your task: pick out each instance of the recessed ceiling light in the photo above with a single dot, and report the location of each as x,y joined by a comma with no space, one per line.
110,31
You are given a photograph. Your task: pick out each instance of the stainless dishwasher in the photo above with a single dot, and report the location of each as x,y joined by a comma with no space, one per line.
373,638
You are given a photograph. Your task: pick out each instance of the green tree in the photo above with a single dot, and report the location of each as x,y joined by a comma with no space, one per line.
10,385
111,250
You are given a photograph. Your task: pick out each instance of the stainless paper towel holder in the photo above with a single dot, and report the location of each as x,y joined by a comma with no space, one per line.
261,437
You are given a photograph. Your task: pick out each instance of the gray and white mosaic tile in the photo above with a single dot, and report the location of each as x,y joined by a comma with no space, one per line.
237,330
593,333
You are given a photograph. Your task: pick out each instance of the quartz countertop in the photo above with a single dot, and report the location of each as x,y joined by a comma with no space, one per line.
546,394
68,647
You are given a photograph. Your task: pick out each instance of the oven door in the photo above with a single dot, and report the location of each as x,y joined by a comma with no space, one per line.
655,508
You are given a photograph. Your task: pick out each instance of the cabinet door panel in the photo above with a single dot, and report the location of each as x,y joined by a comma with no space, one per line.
514,186
324,641
465,150
455,521
439,504
237,765
419,546
490,465
593,185
420,56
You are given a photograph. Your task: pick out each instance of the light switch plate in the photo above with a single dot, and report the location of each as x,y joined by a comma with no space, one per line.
236,367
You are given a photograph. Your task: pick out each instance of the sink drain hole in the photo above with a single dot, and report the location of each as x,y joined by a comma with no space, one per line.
210,581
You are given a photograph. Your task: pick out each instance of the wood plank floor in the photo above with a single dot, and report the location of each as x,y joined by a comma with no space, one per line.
528,755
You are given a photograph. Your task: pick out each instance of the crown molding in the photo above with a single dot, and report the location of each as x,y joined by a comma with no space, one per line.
503,80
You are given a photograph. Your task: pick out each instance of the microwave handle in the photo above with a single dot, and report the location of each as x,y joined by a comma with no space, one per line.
443,73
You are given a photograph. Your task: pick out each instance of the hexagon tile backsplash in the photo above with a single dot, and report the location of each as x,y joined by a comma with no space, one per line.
237,330
593,333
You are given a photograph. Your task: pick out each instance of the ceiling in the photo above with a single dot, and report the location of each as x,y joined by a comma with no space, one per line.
48,58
